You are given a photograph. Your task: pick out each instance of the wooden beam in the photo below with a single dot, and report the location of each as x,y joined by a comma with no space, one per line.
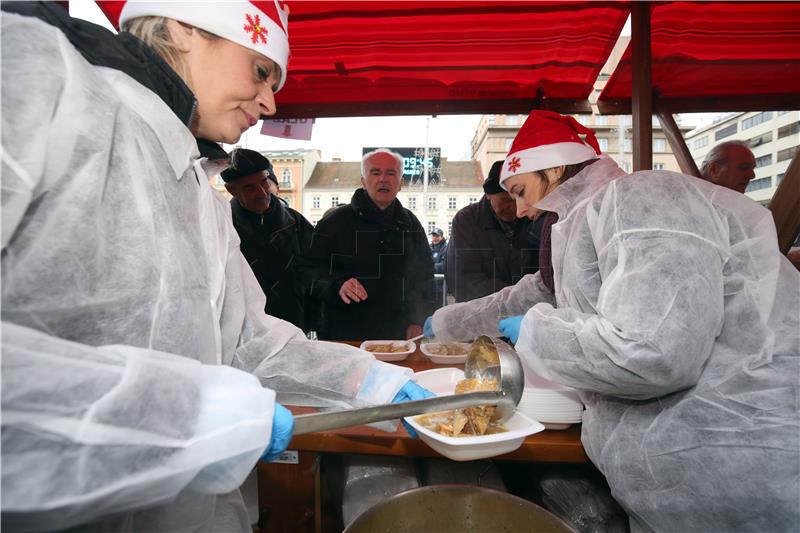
785,205
430,107
678,144
707,104
642,90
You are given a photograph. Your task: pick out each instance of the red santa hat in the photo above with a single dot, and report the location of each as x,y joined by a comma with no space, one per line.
548,140
260,26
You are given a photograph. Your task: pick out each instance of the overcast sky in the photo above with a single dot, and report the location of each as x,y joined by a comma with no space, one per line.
343,138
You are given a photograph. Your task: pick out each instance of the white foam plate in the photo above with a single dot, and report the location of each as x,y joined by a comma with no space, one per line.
443,381
445,359
410,346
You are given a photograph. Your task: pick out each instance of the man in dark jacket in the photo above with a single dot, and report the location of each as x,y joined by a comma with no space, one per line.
489,246
273,236
372,264
438,250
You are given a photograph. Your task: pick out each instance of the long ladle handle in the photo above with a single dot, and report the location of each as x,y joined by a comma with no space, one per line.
316,422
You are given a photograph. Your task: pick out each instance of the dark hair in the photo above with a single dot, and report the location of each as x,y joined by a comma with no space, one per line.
569,171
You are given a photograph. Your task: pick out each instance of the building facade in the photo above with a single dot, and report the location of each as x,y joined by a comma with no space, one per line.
333,183
293,168
773,136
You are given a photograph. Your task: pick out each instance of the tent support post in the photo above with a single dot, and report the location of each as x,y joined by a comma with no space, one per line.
642,101
678,144
785,205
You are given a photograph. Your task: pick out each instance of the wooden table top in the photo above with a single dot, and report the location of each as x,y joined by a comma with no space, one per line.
547,446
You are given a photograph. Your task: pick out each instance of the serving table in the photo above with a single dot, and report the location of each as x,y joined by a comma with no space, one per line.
290,494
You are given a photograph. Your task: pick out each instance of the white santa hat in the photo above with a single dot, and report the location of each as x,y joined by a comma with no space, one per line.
260,26
547,140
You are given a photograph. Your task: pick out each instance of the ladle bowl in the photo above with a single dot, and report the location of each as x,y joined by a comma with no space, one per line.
487,359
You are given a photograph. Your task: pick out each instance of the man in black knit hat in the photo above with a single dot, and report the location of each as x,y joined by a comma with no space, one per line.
489,247
274,236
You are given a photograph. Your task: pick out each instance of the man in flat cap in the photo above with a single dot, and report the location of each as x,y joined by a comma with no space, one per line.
274,236
489,246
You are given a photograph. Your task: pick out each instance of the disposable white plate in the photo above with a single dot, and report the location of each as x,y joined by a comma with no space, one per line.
442,381
445,359
391,356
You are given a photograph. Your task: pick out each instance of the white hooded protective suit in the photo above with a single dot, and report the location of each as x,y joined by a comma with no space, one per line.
679,321
118,259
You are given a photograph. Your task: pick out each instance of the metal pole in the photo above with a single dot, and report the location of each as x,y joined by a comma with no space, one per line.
424,220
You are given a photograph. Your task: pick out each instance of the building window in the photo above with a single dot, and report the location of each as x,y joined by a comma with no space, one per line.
659,145
287,174
431,226
315,202
431,202
699,143
783,155
334,201
727,131
412,202
764,160
779,178
658,166
756,119
491,120
761,139
449,228
473,199
451,202
603,144
789,129
760,183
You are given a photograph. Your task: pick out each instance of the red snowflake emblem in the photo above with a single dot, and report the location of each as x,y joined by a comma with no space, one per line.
254,25
514,164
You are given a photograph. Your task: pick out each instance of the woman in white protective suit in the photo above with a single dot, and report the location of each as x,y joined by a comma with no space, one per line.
669,307
123,288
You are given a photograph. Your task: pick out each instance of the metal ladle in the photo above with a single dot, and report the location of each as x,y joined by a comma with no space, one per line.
487,359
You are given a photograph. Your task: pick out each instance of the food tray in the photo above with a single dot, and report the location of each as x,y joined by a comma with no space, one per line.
410,347
445,359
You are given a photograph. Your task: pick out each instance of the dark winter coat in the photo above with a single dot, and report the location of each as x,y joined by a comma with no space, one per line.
485,255
388,253
439,256
273,244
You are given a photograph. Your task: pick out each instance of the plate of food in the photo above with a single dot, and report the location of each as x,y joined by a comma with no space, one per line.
467,434
389,350
446,353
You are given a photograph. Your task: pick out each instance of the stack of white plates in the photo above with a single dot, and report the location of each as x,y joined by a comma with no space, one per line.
554,405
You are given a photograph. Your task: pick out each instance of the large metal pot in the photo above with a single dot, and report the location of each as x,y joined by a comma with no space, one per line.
456,508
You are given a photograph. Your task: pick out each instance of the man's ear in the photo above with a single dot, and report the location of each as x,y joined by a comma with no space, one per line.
181,35
363,182
713,172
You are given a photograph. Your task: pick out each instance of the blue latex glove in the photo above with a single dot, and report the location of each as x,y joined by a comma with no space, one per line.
509,327
282,428
411,391
427,328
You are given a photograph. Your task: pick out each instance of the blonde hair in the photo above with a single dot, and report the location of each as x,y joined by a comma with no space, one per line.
154,32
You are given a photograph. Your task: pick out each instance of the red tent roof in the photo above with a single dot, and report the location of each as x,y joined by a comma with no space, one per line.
708,55
351,58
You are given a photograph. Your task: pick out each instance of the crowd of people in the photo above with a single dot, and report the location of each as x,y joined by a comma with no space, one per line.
151,330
